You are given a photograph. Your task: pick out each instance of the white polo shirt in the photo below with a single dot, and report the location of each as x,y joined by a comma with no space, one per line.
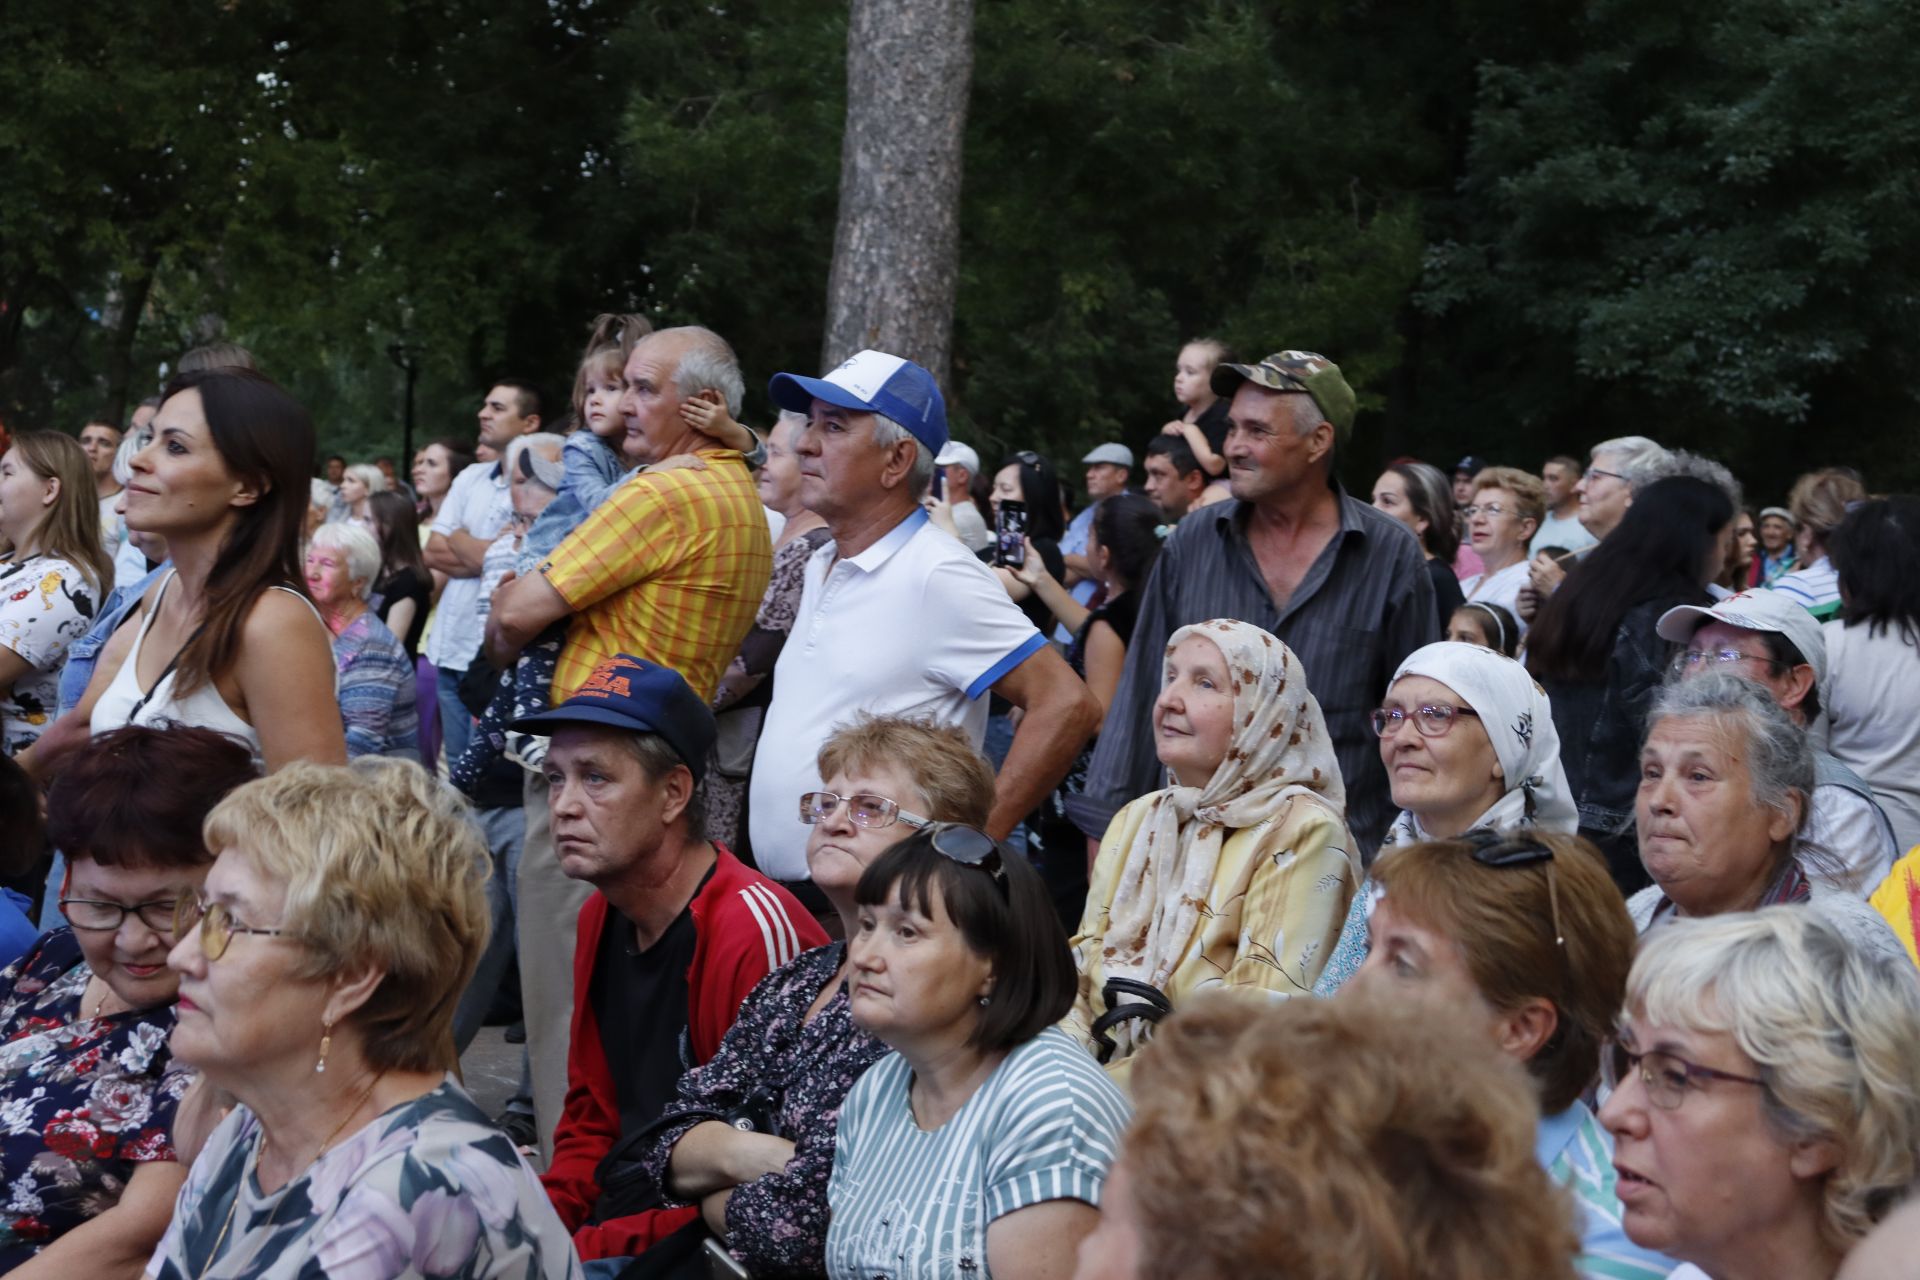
480,504
914,625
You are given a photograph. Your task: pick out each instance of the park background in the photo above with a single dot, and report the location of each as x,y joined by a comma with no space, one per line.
1519,227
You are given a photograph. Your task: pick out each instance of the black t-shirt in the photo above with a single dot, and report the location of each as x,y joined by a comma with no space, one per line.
1213,425
1447,595
640,1002
406,584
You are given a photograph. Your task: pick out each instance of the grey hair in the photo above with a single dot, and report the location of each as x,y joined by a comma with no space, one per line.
1834,1028
659,759
550,444
362,552
887,432
1634,456
1779,757
1681,462
707,363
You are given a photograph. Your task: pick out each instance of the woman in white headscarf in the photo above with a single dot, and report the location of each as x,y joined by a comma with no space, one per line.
1468,742
1239,874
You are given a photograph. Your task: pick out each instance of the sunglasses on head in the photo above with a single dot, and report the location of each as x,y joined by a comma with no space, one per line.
969,846
1501,850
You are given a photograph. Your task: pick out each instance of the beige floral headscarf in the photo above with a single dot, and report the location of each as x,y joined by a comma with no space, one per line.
1280,751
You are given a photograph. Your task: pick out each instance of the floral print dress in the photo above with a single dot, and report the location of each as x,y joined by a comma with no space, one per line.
83,1101
429,1188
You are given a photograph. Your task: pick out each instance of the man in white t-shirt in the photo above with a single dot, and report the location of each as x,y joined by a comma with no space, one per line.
476,509
896,617
1561,528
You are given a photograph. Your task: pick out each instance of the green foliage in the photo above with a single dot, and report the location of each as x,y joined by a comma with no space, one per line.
1517,227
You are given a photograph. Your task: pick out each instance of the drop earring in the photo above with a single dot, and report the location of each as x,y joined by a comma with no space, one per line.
326,1042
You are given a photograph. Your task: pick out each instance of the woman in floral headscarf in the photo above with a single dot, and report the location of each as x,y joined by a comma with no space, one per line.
1468,741
1238,875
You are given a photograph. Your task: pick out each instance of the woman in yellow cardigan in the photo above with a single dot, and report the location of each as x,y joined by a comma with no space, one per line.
1238,875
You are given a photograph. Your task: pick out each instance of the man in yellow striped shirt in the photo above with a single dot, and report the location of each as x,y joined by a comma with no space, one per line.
671,568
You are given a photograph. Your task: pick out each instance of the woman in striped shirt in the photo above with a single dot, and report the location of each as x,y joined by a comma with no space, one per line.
979,1146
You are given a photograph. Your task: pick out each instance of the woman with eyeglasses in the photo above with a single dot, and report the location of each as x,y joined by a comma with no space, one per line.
1468,742
87,1083
1236,876
319,967
1523,937
1724,779
793,1052
1763,1106
980,1145
1507,508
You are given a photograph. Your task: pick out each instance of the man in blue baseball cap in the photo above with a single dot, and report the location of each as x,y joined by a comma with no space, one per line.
677,934
896,616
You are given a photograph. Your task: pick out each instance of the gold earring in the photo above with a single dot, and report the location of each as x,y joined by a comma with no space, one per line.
326,1042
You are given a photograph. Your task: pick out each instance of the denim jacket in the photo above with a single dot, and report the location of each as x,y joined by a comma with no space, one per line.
83,655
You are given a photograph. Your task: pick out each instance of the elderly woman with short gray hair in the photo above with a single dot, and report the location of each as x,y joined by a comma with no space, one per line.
1724,779
376,678
1763,1109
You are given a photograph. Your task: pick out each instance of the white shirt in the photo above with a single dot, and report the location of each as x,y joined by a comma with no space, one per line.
914,625
1872,723
1502,588
479,504
1566,533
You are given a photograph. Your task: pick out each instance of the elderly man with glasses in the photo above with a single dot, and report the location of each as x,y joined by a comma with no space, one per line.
1767,638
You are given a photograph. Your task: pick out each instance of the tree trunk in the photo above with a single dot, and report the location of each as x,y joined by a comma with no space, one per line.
134,288
896,248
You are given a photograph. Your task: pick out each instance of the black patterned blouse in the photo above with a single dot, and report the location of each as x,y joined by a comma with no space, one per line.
799,1071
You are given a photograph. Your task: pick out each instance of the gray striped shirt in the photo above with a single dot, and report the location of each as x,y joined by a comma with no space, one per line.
913,1204
1365,604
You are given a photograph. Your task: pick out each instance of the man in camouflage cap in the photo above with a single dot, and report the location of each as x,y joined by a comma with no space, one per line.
1345,586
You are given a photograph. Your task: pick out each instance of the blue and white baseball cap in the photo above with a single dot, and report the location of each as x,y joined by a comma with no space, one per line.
873,382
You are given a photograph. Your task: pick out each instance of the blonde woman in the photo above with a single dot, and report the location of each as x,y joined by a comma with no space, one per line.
319,969
360,483
53,578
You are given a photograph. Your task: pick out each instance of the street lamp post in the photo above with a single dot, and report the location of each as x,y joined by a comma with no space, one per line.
406,358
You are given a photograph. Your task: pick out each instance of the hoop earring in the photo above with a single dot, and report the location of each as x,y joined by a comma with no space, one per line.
326,1042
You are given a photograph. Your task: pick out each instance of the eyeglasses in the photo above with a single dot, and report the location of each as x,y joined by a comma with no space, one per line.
90,913
1432,721
1502,850
1490,509
1665,1076
864,808
216,926
970,846
1690,660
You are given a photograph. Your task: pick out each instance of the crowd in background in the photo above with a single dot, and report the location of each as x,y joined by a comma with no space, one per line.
905,867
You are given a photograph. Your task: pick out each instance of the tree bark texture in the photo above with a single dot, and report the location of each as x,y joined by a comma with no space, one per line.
896,247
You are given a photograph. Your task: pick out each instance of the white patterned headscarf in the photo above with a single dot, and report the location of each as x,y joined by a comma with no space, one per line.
1280,752
1519,721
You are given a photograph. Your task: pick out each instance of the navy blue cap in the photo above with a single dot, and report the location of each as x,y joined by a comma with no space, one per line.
1471,465
626,692
873,382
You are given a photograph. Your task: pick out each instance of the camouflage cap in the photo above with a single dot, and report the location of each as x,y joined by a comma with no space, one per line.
1305,371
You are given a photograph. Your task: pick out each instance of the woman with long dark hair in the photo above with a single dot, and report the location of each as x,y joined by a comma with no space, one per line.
1029,479
404,590
1595,650
228,640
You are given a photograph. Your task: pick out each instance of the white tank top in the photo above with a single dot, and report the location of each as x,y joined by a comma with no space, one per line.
122,703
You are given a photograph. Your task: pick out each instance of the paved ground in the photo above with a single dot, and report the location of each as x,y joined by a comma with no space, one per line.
492,1069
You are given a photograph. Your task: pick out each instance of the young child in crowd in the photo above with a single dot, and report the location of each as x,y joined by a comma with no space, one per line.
1203,415
1488,625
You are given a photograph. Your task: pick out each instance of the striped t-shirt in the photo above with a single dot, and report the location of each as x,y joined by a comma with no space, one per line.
909,1204
1815,588
1578,1154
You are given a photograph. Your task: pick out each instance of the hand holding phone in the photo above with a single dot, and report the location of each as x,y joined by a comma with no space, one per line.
1010,534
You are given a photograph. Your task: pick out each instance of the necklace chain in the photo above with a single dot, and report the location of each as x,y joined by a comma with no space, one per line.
213,1255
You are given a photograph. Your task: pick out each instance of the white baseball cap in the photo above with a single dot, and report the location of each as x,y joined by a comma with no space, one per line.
1755,610
1117,454
958,455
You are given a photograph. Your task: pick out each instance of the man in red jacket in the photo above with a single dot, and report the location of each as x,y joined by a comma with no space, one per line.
676,936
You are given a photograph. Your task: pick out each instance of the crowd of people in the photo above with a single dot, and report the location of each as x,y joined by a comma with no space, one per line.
908,870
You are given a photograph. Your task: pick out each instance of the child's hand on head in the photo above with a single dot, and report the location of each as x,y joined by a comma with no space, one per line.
710,418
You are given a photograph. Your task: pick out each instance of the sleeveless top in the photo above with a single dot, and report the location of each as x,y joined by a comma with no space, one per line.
122,703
